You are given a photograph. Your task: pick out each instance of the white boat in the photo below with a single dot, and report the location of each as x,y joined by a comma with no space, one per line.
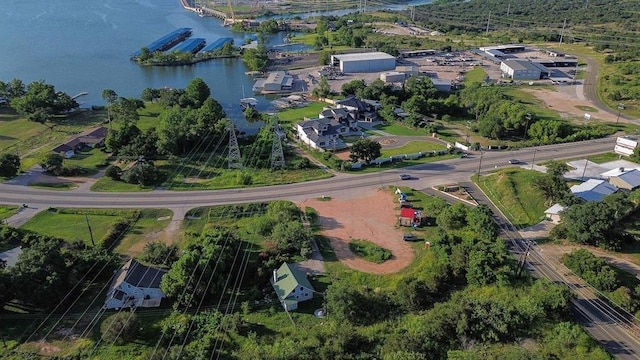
248,102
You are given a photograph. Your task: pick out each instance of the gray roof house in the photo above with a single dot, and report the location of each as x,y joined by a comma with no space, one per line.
593,190
89,138
322,133
362,110
135,285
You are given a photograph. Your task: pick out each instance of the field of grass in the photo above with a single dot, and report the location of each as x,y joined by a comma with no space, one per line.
148,116
600,158
61,186
91,160
413,147
510,190
292,116
105,184
476,75
150,222
6,211
400,129
369,251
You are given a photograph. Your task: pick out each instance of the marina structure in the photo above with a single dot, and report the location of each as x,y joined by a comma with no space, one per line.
192,45
166,42
218,44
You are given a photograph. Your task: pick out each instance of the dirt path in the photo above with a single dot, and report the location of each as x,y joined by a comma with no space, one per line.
371,216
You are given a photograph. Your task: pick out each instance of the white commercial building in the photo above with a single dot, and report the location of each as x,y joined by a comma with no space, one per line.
625,145
518,69
364,62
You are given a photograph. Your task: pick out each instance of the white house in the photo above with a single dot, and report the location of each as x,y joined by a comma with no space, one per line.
322,133
553,213
291,286
136,285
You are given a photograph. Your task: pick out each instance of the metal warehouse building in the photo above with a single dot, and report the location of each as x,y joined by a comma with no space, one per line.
364,62
523,70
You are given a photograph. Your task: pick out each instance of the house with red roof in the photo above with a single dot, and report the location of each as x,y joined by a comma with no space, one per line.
410,217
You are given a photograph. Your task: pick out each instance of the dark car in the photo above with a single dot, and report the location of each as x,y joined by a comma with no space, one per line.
405,177
514,161
409,237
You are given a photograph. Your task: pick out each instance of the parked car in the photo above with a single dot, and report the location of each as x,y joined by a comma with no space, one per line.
409,237
464,155
514,161
405,177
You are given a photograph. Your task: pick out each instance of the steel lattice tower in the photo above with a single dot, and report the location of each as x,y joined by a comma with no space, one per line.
235,160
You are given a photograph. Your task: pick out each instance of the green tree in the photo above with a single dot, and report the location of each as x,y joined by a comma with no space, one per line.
15,88
453,217
323,89
117,139
52,163
9,165
41,101
365,149
143,173
352,87
256,59
197,91
110,97
158,253
114,172
120,328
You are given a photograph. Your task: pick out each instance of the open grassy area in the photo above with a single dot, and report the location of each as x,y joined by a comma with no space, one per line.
413,147
476,75
599,158
91,160
369,251
148,226
61,186
404,163
294,115
399,129
511,191
148,116
7,211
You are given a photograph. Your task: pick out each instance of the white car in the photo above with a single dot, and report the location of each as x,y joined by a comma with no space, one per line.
405,177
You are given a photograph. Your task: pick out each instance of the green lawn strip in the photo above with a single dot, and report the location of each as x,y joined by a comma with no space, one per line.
295,115
91,161
105,184
476,75
228,179
402,164
150,222
148,116
71,224
587,108
61,186
598,158
369,251
399,129
7,211
413,147
511,191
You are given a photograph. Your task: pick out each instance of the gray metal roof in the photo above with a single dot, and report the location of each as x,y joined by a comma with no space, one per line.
364,56
517,64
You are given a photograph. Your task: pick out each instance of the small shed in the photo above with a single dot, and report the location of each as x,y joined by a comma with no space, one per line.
628,180
553,213
410,217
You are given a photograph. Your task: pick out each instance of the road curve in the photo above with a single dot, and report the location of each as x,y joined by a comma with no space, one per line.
590,88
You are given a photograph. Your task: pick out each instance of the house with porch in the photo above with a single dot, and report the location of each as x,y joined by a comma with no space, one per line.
291,286
322,133
361,110
135,285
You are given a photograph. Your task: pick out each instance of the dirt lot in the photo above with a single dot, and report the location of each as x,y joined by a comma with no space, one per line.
565,101
371,216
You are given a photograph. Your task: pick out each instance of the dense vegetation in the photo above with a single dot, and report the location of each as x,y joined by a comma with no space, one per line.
176,58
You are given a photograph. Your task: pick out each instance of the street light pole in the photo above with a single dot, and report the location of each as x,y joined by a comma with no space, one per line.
526,127
480,165
586,161
533,162
620,108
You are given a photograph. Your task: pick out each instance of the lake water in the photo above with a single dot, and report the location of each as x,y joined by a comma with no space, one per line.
84,45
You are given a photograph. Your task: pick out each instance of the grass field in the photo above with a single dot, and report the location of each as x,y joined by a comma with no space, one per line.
474,76
7,211
150,223
292,116
148,116
413,147
91,160
600,158
510,190
71,224
400,129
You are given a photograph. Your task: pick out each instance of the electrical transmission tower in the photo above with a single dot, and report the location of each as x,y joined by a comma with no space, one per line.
235,160
277,154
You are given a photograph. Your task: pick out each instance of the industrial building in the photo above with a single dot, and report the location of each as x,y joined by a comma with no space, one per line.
277,81
364,62
392,76
443,85
519,69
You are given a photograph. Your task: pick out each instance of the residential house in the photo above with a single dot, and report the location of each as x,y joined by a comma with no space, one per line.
136,285
628,179
593,190
410,217
342,115
322,133
291,286
87,139
363,111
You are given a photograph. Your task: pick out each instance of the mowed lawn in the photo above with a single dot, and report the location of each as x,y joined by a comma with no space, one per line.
7,211
72,226
413,147
14,129
292,116
400,130
511,191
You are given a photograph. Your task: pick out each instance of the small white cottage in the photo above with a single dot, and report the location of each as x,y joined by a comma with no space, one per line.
136,285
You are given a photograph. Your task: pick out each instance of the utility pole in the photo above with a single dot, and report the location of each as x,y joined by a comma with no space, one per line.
526,127
564,25
508,8
480,165
533,162
586,161
488,21
86,217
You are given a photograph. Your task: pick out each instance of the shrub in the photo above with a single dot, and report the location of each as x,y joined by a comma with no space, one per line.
114,172
370,251
120,328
